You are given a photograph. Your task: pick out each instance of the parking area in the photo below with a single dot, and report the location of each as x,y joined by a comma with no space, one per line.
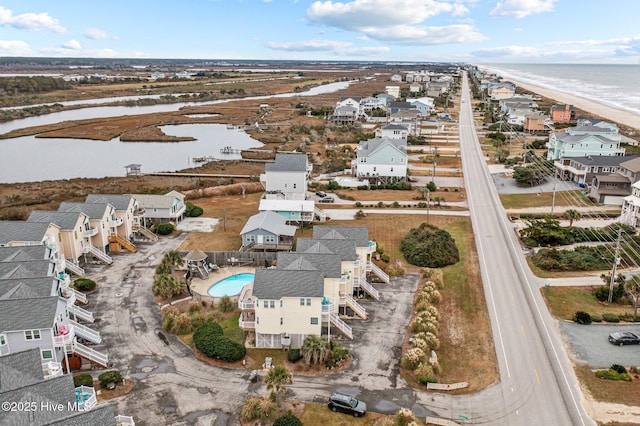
589,343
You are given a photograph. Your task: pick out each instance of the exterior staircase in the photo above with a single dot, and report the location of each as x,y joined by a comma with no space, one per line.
90,354
373,292
102,256
80,313
341,325
126,244
80,296
73,268
145,233
373,268
86,333
320,214
357,308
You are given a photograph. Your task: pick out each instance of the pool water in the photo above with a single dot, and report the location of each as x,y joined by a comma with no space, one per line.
230,286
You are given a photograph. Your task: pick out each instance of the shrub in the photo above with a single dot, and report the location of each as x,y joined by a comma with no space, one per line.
429,246
333,185
192,210
596,318
288,420
385,258
111,376
84,284
258,408
228,350
412,358
294,355
226,304
404,418
82,379
618,368
582,317
204,337
164,229
613,375
358,204
610,317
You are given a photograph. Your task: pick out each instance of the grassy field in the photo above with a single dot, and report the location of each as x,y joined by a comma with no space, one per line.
564,302
389,196
563,198
319,415
614,391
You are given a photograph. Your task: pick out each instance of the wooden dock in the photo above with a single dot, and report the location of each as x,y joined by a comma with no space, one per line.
228,150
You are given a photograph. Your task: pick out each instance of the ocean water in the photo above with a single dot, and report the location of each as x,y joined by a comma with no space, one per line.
614,85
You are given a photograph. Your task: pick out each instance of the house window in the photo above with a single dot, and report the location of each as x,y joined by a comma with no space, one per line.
392,169
270,239
401,160
301,302
281,320
266,304
308,302
272,304
314,320
251,238
392,159
75,234
281,303
3,340
258,320
47,354
374,169
32,334
294,186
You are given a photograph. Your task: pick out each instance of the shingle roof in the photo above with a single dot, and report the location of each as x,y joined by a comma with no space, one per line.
154,201
20,369
120,202
65,220
269,221
359,234
102,415
27,314
346,249
568,138
28,287
93,210
288,163
274,284
329,265
368,147
28,269
23,253
602,160
613,177
14,230
632,164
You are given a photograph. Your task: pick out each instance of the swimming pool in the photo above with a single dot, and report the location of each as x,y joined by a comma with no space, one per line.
230,286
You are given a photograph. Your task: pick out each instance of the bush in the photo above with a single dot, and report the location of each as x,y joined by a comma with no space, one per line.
258,408
84,284
333,185
82,379
385,258
613,375
610,317
288,420
294,355
204,336
582,317
228,350
596,318
164,229
226,304
404,417
429,246
112,376
192,210
618,368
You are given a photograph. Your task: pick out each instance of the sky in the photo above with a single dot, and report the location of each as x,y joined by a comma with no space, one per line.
470,31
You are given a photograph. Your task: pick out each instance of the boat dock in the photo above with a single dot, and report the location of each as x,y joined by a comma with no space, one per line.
203,159
228,150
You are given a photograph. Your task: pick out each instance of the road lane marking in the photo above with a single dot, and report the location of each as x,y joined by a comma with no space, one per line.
522,330
537,377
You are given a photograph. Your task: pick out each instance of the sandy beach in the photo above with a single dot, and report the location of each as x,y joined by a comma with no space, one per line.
616,115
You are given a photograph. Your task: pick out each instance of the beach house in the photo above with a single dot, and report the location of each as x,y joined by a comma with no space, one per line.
126,208
583,141
267,230
582,170
102,216
154,208
562,113
381,160
392,131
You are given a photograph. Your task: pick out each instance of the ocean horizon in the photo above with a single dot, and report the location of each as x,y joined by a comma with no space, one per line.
615,85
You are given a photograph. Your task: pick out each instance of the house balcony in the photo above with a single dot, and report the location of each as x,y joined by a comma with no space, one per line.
139,212
65,280
118,221
566,168
70,295
328,307
247,321
373,246
86,398
90,232
51,370
64,337
279,246
245,301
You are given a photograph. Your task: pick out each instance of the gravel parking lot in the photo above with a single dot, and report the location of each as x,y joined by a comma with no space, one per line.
588,343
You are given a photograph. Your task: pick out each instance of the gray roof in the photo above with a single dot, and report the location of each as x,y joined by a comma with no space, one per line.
360,234
632,164
368,147
590,129
402,105
28,269
601,160
269,221
14,230
568,138
154,200
24,253
275,284
27,287
195,256
288,163
346,249
355,98
20,369
329,265
65,220
102,415
120,202
394,126
27,314
613,177
93,210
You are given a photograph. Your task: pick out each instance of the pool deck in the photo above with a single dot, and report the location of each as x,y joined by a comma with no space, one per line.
201,286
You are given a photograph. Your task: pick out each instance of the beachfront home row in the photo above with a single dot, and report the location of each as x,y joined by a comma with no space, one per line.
310,289
48,397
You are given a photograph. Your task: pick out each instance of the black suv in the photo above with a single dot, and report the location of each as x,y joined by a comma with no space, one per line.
347,404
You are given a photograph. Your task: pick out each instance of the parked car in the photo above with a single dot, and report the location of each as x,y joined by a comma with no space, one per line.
327,199
624,338
347,404
321,194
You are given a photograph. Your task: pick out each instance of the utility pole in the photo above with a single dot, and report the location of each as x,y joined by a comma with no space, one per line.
616,261
428,196
555,184
224,218
435,156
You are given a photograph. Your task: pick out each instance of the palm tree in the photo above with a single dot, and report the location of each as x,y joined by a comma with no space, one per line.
314,350
572,215
166,286
438,200
174,259
277,379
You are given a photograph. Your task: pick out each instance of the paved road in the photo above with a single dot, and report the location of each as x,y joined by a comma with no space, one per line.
537,383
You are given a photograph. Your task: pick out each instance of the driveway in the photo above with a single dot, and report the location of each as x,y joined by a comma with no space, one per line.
588,343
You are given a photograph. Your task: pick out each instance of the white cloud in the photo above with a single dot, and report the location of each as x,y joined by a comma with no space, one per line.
536,53
31,21
338,48
359,14
522,8
14,48
419,35
98,34
80,53
72,44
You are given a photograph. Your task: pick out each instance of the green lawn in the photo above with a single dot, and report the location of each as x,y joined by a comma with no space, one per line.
564,302
563,198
